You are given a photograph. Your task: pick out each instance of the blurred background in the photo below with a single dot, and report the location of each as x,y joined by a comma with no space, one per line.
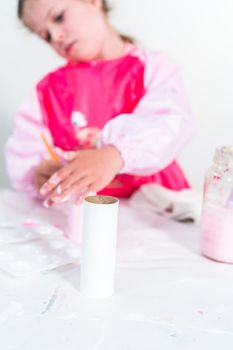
197,34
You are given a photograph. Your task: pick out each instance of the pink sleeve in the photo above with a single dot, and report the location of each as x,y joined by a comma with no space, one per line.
152,136
24,150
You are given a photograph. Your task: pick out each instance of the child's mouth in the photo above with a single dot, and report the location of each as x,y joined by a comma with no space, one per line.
69,47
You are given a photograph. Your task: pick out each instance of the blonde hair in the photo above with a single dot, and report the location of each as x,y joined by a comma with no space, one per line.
106,9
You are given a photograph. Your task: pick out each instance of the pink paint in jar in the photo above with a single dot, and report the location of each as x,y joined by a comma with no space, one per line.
216,237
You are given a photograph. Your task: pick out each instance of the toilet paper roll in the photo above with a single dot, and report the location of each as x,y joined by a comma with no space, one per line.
99,246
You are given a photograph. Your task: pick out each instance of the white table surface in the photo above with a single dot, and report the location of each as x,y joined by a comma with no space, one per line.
167,295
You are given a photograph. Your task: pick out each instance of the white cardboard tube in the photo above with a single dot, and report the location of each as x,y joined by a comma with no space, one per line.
99,246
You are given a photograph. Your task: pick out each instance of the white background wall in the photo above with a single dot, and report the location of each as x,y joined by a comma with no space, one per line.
198,34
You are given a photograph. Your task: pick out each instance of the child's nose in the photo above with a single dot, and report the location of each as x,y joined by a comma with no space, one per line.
58,36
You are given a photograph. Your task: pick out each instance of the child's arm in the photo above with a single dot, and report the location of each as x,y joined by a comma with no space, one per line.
24,149
142,142
152,136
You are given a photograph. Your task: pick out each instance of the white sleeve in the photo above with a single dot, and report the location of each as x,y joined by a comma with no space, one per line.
153,135
24,149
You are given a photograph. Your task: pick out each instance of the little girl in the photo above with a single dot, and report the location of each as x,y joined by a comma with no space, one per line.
120,109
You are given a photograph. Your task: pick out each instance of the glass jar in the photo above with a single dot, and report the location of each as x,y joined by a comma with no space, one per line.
216,238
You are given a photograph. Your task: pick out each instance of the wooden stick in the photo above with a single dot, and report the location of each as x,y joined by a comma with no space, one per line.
50,150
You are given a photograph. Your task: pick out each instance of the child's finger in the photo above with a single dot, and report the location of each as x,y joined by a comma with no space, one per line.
67,183
53,181
77,187
56,179
48,203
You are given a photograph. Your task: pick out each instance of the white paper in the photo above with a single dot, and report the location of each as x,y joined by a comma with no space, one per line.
99,246
42,248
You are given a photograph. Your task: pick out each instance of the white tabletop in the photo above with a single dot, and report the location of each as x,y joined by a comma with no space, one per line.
167,295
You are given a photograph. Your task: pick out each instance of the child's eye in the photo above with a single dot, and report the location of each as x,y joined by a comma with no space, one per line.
59,18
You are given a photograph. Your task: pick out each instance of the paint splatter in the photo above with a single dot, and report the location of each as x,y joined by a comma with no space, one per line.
201,312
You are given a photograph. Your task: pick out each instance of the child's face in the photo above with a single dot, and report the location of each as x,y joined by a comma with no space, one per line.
76,29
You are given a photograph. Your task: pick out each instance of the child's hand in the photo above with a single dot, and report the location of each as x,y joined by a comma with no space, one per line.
89,171
44,171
